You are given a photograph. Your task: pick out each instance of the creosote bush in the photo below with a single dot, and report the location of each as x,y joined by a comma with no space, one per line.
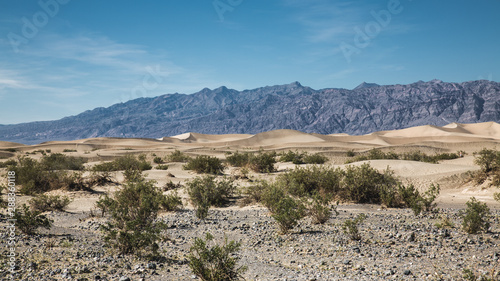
205,164
178,156
476,217
132,227
37,177
123,163
28,221
44,203
206,191
215,262
302,158
262,162
286,210
350,227
375,154
171,202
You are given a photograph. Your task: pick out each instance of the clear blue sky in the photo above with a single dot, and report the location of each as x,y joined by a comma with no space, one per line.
67,56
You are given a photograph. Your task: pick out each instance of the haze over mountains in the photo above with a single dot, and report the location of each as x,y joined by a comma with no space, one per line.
365,109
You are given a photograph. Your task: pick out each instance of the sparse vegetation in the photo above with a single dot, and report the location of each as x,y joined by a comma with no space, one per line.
171,202
286,210
350,227
158,160
214,263
205,164
44,203
205,192
161,167
476,217
29,221
377,154
123,163
178,156
132,227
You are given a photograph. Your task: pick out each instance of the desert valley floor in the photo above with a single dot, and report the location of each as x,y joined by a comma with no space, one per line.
395,244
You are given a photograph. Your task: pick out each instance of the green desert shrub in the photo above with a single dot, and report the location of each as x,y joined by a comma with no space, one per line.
418,202
306,181
8,163
123,163
178,156
286,210
215,262
59,161
158,160
161,167
29,221
254,193
171,202
376,154
263,162
292,156
132,227
364,184
239,159
171,186
319,209
206,191
44,203
205,164
476,217
351,227
315,158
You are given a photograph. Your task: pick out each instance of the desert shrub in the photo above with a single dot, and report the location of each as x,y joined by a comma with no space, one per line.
496,196
216,262
487,159
286,210
263,162
350,153
205,164
123,163
350,227
418,202
158,160
445,222
99,179
306,181
28,221
239,159
161,167
171,202
375,154
33,178
178,156
291,156
206,191
170,186
132,227
44,203
319,209
59,161
364,184
315,159
255,192
69,150
475,217
8,163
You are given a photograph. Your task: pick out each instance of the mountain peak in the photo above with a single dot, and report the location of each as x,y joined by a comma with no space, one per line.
365,85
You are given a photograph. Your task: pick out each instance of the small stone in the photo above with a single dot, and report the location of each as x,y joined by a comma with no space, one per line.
124,278
407,272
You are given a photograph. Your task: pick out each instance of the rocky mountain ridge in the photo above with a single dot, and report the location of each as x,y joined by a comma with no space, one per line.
365,109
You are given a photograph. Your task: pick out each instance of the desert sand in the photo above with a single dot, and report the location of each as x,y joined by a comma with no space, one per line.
449,174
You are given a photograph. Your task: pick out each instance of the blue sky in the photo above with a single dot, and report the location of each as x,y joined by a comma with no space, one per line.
62,57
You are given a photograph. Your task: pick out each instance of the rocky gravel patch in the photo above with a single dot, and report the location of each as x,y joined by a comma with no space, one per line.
395,245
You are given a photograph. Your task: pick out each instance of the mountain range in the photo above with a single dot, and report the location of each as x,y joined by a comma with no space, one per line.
367,108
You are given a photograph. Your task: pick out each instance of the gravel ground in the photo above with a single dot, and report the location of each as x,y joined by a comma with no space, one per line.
395,245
